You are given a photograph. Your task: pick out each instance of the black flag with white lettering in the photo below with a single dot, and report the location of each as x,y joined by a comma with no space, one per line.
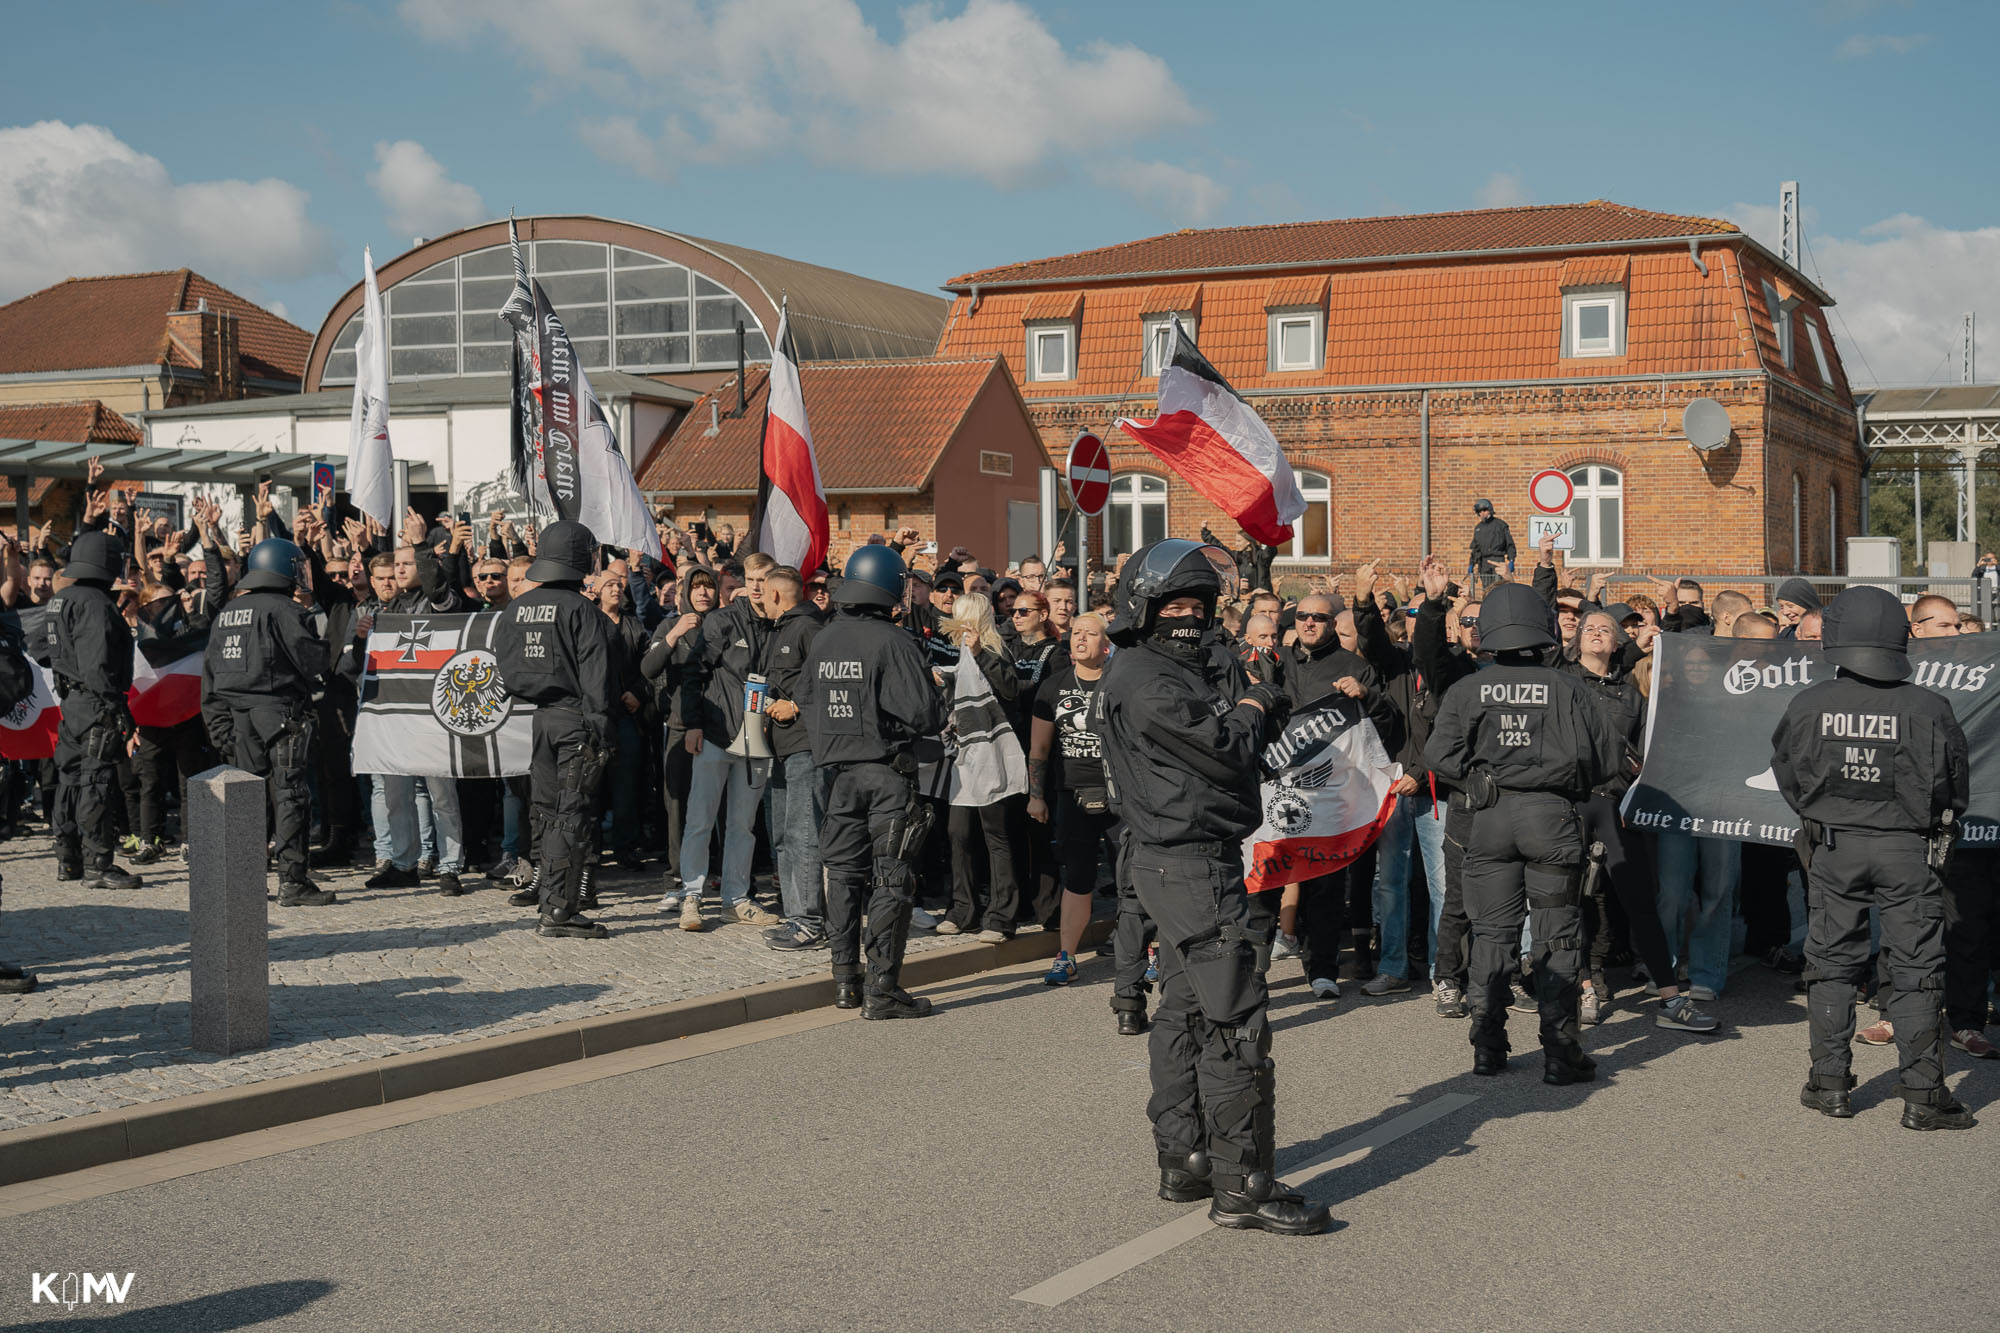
1717,701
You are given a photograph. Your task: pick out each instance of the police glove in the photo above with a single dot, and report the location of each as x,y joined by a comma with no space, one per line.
1264,696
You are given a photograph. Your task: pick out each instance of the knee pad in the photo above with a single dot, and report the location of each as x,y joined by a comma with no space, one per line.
1911,979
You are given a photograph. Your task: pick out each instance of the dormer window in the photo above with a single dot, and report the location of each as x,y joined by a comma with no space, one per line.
1160,339
1594,321
1052,351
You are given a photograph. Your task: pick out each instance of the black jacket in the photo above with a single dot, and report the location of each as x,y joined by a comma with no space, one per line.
1492,545
1624,710
784,660
262,652
727,648
1853,754
1309,675
866,691
1406,689
90,645
554,648
662,667
1530,727
1181,756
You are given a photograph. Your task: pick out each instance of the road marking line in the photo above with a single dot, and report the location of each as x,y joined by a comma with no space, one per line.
1172,1235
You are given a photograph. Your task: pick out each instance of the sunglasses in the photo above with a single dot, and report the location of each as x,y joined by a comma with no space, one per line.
1027,610
1468,622
488,578
1316,617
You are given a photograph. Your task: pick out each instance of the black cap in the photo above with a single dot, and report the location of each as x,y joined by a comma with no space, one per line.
1799,593
1622,612
563,553
1867,632
948,578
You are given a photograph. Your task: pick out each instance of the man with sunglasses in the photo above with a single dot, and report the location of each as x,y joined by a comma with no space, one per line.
489,582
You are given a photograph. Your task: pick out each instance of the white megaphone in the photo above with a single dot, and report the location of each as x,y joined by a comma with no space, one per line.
749,742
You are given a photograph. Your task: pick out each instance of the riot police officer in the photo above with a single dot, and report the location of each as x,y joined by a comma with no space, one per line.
867,696
554,648
1181,765
90,651
263,662
1524,743
1877,770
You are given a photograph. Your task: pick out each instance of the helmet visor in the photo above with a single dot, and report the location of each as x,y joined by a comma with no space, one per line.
1168,564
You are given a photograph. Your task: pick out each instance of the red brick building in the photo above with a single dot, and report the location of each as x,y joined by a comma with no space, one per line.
943,445
1410,364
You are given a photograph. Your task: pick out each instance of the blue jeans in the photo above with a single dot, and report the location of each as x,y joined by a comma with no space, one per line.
1413,820
396,807
794,806
720,789
1702,948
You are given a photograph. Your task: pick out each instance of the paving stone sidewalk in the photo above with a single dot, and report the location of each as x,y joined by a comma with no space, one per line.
377,974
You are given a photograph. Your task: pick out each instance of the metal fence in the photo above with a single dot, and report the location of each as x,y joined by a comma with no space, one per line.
1980,596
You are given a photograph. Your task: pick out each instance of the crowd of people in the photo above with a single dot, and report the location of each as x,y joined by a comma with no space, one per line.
682,791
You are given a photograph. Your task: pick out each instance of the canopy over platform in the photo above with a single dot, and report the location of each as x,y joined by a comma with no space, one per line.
68,460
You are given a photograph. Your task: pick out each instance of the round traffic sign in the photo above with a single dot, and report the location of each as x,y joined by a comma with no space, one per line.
1089,474
1550,491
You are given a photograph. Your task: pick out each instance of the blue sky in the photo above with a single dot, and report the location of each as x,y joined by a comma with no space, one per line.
265,144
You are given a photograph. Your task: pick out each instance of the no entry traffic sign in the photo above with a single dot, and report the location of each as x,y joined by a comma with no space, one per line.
1089,474
1550,491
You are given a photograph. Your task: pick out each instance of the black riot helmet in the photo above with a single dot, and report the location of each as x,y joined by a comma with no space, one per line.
1515,619
1866,631
96,556
872,576
275,565
563,553
1154,575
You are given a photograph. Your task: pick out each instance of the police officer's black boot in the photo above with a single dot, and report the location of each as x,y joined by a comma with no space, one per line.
1828,1101
304,893
1489,1048
1132,1023
589,901
1184,1176
888,1000
1947,1114
1563,1065
847,992
1259,1203
111,876
561,917
69,859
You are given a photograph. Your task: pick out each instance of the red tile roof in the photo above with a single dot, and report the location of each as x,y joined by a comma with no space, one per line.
1596,270
1347,240
85,421
89,323
876,425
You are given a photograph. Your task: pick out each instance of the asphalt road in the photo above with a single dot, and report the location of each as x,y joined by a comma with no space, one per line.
923,1175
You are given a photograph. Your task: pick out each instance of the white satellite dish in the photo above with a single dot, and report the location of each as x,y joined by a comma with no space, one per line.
1706,424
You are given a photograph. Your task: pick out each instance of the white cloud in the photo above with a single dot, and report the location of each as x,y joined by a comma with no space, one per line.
1504,189
1903,286
988,92
418,198
1862,45
1175,193
77,201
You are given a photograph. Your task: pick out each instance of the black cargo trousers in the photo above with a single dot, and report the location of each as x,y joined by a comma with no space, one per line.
870,810
1851,870
1524,862
90,742
1214,1083
565,768
275,741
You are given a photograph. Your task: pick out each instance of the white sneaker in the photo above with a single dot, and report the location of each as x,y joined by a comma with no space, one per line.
923,920
942,927
1326,988
1285,946
691,913
748,913
990,936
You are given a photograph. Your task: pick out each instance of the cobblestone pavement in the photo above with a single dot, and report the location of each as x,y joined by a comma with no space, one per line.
376,974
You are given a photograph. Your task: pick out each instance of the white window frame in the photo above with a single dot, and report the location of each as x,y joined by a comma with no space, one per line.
1315,321
1314,488
1133,492
1045,328
1586,492
1818,342
1156,327
1575,301
1780,311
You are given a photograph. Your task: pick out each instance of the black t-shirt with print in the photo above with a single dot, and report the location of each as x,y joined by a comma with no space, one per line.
1078,758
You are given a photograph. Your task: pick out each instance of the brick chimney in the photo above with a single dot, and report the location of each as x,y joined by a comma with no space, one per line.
209,339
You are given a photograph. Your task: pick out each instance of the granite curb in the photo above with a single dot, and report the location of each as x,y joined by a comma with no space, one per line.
35,1151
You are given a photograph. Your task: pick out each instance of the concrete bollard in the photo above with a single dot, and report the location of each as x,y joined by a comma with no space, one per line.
228,921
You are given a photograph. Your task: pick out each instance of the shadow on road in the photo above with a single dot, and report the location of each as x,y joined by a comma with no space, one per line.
225,1310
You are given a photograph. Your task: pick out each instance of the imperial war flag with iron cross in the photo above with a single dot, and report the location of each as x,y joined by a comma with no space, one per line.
432,704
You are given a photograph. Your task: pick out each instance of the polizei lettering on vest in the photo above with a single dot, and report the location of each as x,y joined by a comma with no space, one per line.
1519,694
840,671
535,615
1858,726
